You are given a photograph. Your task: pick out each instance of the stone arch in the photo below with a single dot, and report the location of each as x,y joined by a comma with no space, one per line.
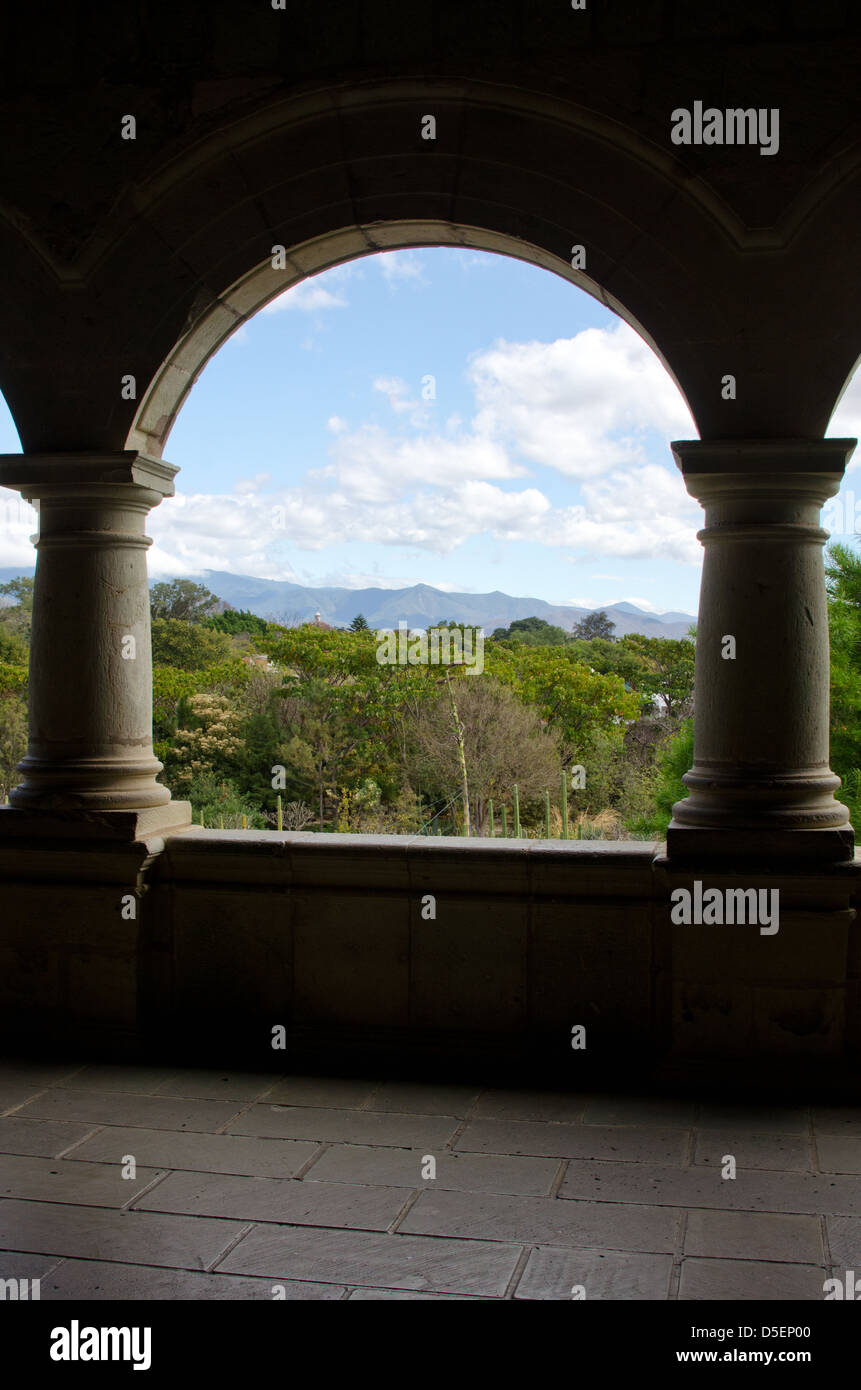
177,374
171,265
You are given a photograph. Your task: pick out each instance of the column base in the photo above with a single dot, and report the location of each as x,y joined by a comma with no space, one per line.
833,845
123,827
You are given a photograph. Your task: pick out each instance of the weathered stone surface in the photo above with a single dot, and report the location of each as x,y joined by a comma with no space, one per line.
740,1235
553,1274
750,1281
386,1261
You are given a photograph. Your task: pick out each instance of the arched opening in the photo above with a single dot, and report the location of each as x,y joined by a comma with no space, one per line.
18,522
266,281
440,417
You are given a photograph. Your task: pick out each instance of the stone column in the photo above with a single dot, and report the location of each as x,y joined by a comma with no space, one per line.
90,757
761,782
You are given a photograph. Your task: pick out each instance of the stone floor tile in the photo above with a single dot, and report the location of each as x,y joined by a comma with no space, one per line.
760,1235
749,1281
753,1189
383,1261
552,1274
419,1098
628,1144
640,1110
130,1237
754,1119
197,1084
347,1126
96,1280
204,1153
531,1105
272,1199
841,1120
14,1265
836,1154
323,1092
543,1221
144,1111
43,1138
13,1095
55,1180
465,1172
783,1152
130,1080
405,1296
844,1241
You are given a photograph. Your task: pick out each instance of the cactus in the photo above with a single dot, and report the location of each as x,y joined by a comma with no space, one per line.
490,813
280,812
516,800
547,815
505,822
564,805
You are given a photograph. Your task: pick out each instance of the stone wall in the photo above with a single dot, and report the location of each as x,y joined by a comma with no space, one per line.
421,951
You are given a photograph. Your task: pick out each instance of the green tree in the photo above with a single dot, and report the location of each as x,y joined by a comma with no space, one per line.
359,623
182,599
187,646
565,692
595,624
237,621
16,618
843,581
210,742
13,740
533,632
665,672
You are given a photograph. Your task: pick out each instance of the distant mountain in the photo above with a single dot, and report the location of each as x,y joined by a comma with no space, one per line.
419,606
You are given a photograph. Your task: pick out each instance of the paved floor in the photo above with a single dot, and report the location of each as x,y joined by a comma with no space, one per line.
131,1182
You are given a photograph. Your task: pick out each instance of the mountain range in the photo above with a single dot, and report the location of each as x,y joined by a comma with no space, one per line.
420,606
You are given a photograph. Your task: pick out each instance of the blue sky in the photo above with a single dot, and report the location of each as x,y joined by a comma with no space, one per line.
442,416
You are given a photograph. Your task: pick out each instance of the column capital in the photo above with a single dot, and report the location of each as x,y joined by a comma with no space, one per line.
86,472
802,470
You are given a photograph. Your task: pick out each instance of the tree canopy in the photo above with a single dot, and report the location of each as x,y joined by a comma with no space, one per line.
183,600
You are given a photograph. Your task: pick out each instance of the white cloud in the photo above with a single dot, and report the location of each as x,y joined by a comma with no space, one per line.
308,297
18,522
398,266
397,392
372,465
254,484
580,405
